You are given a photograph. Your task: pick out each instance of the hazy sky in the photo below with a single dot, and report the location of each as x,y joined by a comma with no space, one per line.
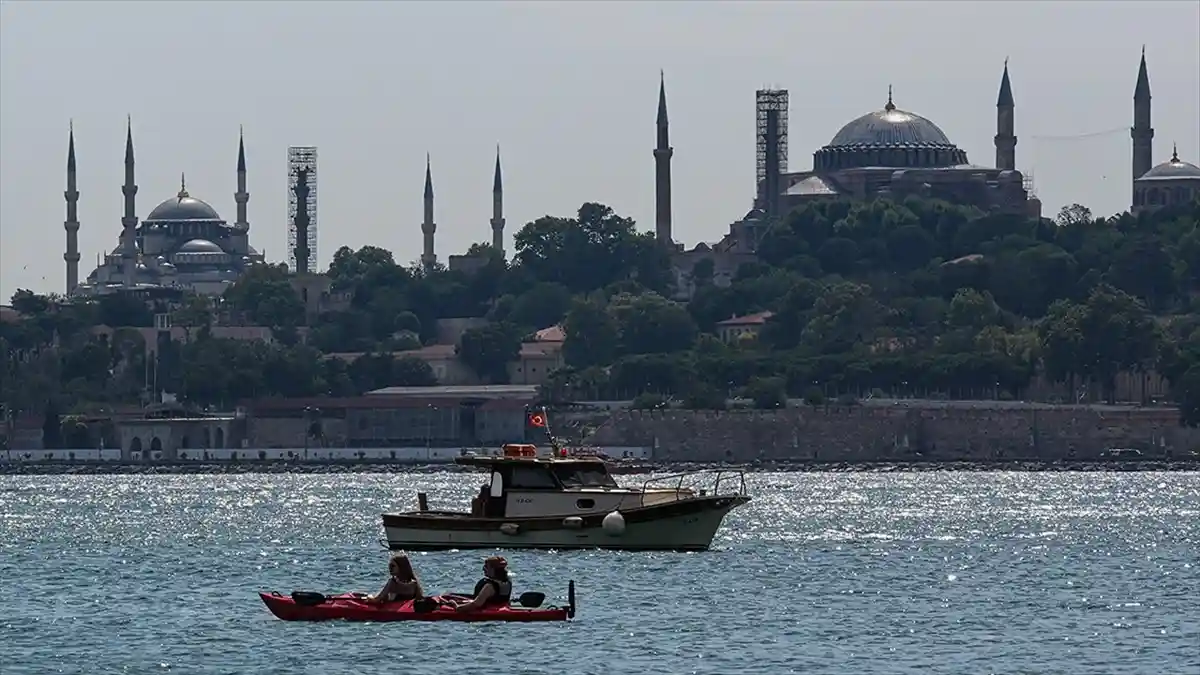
568,90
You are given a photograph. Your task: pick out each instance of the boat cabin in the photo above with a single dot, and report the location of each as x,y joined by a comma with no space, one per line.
523,484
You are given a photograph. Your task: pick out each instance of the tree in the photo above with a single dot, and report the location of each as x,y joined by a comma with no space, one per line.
650,324
591,334
488,350
29,303
264,296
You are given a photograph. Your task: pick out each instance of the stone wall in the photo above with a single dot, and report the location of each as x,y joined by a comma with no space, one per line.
929,430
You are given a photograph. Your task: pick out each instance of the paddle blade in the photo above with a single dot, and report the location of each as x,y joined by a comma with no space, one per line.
531,599
307,598
571,599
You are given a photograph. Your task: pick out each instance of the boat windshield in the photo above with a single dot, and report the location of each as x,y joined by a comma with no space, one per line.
584,474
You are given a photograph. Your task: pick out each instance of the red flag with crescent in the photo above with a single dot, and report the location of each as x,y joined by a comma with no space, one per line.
537,420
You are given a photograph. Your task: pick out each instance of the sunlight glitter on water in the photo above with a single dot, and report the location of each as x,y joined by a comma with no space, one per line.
835,573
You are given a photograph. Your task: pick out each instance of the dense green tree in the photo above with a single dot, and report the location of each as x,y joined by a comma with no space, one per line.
591,334
911,297
488,350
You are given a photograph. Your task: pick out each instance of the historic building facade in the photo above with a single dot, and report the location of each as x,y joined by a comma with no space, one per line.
182,244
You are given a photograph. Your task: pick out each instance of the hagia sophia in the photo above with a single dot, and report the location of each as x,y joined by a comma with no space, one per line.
185,244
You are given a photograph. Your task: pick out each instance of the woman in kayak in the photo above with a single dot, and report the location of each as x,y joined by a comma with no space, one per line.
403,583
494,589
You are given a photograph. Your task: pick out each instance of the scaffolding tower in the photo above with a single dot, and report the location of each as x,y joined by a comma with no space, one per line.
302,168
771,146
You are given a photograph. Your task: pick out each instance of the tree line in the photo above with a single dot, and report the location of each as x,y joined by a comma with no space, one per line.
893,297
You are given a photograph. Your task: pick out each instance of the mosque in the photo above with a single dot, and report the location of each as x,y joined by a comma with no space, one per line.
182,244
896,153
185,244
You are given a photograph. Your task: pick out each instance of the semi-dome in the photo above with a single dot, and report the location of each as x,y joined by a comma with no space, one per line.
183,207
890,127
1175,168
200,246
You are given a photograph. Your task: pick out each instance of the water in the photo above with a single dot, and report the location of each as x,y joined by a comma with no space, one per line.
1069,574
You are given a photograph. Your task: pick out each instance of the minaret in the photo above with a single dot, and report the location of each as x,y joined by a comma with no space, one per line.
241,196
428,257
662,169
129,220
1006,136
72,223
1142,133
498,208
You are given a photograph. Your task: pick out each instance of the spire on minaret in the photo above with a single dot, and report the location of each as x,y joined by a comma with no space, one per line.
428,228
1006,136
1005,98
662,169
129,220
428,178
241,197
71,224
497,221
1142,88
129,141
71,146
1142,133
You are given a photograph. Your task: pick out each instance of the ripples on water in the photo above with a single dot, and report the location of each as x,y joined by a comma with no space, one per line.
1061,574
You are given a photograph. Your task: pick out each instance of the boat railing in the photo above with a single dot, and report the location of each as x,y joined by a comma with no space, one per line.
703,483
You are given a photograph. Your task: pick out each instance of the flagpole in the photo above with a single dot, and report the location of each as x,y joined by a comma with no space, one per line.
550,433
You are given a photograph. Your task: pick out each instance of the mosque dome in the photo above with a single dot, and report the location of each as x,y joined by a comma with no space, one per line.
200,246
890,137
890,127
1175,168
183,207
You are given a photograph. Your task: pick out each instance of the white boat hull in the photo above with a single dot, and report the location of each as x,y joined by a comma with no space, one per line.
683,525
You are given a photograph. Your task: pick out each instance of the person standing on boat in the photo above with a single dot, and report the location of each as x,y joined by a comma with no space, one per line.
494,589
403,583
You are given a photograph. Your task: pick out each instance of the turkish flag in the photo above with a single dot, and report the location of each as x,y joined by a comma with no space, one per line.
537,420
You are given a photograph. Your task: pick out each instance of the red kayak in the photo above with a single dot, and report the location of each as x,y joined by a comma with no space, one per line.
308,606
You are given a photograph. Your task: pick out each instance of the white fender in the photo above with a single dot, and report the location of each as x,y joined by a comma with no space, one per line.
510,528
613,524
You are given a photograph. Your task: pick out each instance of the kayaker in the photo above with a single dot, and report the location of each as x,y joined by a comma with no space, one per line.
494,589
403,583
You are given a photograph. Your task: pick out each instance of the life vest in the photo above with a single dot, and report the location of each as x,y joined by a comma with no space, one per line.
502,590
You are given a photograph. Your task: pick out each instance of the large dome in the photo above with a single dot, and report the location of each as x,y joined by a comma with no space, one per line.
888,138
1174,169
891,127
183,207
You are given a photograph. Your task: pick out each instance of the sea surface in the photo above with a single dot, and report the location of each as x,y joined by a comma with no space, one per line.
955,572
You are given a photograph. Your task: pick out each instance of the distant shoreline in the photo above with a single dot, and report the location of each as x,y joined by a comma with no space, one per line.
276,467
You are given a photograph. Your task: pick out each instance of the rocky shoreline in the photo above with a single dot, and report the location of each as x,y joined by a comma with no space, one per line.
110,468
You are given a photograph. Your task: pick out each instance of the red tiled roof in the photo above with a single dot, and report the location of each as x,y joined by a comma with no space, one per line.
756,319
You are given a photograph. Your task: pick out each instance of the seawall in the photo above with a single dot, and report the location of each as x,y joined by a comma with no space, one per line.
897,431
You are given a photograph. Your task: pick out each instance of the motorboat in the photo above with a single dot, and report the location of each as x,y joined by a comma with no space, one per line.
571,502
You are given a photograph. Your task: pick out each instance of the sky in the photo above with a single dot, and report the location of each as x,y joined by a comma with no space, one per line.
568,91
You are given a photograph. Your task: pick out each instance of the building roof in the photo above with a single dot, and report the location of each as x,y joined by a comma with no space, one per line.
200,246
756,319
183,207
480,391
1173,169
554,333
890,127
